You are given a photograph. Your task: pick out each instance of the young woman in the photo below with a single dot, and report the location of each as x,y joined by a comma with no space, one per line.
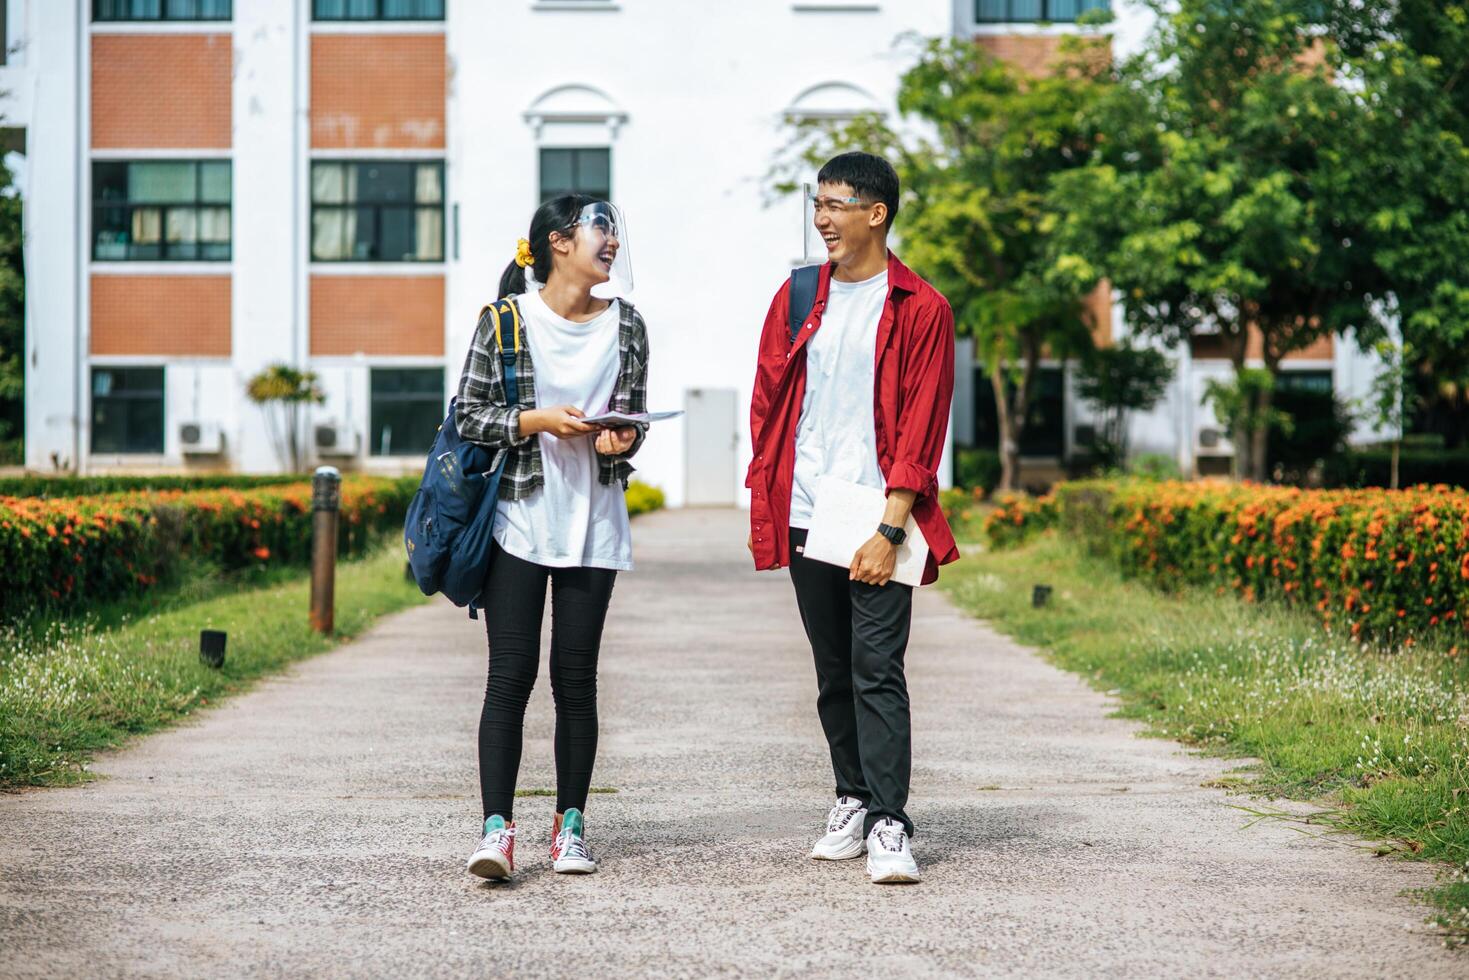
561,517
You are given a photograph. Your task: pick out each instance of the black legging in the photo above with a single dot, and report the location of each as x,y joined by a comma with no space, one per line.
516,603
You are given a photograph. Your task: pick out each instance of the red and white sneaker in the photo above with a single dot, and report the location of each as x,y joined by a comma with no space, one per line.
494,858
569,853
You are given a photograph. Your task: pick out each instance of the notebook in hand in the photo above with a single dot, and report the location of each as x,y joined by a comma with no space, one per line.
846,516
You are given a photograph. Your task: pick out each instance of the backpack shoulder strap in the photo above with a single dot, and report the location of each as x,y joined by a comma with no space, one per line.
804,283
507,322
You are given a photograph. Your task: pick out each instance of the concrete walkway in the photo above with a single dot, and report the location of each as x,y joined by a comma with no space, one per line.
319,825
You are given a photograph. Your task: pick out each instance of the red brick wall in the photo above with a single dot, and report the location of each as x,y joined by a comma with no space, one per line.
377,91
168,316
162,91
383,315
1211,346
1036,53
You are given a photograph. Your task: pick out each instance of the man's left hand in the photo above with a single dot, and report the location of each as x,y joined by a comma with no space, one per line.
875,561
615,442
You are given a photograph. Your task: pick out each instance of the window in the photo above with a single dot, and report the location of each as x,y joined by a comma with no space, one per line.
377,211
1045,422
584,171
1017,11
170,210
407,409
127,410
123,10
378,9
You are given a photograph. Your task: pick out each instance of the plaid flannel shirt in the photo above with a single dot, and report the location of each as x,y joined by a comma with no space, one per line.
484,417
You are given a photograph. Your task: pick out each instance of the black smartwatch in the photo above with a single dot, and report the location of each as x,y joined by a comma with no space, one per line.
894,534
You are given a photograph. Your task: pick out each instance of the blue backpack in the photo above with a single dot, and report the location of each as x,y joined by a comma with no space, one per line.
449,529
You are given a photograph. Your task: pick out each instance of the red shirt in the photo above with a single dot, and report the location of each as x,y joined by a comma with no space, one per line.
910,402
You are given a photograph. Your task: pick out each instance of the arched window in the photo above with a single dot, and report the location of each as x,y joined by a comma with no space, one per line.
832,101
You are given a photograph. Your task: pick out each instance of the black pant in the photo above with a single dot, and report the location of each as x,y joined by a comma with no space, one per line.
516,603
859,634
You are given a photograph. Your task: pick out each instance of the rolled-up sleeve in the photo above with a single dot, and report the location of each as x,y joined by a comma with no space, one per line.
928,391
481,412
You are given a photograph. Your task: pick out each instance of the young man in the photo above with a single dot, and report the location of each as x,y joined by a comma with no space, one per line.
862,394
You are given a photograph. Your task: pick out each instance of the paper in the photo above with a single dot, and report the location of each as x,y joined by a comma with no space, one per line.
846,516
616,420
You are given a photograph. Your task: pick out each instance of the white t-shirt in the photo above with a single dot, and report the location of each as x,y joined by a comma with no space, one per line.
837,435
573,520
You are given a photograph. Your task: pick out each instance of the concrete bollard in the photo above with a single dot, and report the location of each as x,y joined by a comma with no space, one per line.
326,501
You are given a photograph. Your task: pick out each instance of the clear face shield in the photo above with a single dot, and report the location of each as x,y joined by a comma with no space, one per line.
602,229
813,249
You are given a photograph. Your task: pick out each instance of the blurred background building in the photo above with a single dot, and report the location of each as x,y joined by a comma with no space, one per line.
212,187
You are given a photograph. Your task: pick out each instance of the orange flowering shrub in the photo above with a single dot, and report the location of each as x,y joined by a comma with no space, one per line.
1382,562
1018,516
64,552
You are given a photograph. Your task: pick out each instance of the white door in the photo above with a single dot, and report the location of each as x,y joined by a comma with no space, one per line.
711,441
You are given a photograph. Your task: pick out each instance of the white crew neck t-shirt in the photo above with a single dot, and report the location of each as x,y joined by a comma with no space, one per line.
573,520
837,434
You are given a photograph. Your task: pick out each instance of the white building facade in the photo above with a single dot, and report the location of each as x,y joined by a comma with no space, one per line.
213,187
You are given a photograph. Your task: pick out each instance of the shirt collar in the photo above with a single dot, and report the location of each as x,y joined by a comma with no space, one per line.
899,276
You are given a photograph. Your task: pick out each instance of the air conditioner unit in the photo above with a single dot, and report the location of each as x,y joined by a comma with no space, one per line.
201,438
335,439
1214,442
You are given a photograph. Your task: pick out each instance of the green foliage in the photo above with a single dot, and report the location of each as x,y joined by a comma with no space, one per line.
643,499
74,687
12,323
1243,405
282,391
1373,468
1154,466
91,486
1218,199
1116,381
63,554
1378,736
976,469
977,219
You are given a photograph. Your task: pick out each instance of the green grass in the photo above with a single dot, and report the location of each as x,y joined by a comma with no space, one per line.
73,687
547,791
1379,739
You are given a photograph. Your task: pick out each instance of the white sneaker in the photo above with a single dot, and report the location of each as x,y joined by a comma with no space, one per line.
843,832
889,859
495,856
569,852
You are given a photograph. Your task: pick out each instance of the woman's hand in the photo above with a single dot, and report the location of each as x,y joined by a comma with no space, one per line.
563,422
615,442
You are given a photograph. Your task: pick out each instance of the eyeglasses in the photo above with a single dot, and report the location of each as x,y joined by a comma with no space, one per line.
836,205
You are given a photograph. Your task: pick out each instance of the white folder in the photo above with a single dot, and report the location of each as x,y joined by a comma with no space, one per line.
845,517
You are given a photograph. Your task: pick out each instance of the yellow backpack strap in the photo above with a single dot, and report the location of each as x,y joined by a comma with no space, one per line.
500,312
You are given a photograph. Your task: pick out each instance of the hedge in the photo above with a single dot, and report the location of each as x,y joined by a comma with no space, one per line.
90,486
61,553
1373,468
1392,564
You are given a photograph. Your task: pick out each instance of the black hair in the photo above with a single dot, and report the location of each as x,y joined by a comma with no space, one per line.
869,175
559,214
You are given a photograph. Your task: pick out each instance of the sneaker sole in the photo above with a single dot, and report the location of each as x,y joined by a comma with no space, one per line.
489,868
853,850
571,866
894,877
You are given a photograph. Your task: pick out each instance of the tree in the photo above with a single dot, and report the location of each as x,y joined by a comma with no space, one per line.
981,143
281,391
1219,199
1410,61
12,322
1244,404
1117,381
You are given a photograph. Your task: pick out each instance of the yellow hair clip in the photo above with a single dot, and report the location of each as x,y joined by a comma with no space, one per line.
523,256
